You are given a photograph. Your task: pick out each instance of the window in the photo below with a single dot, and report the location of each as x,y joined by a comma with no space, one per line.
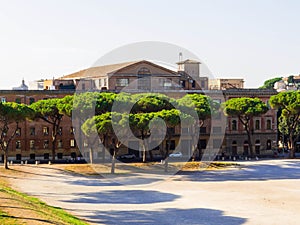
257,124
217,143
122,82
31,144
234,148
18,132
144,70
193,84
202,84
269,145
167,83
18,157
60,131
257,147
185,130
72,143
46,131
46,156
100,82
32,131
269,124
234,125
46,144
18,100
202,130
83,86
105,82
72,130
18,144
59,155
170,144
217,116
73,155
217,130
171,130
59,144
182,83
3,99
31,100
32,156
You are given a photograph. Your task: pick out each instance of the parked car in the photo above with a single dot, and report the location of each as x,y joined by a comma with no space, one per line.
176,155
127,156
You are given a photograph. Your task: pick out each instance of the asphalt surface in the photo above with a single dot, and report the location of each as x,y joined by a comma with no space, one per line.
260,192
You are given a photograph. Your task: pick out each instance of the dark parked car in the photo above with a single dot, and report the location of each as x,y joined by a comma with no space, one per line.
127,156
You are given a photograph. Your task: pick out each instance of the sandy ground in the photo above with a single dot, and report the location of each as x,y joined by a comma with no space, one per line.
261,192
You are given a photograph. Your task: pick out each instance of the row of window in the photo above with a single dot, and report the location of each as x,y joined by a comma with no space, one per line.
18,100
46,156
32,144
45,131
164,82
257,124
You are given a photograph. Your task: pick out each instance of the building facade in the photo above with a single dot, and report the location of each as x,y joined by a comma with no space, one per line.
224,134
33,138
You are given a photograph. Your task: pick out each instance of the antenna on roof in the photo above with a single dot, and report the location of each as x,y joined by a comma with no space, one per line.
180,56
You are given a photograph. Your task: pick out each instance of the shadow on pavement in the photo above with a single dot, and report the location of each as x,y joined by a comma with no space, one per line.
123,197
286,170
172,216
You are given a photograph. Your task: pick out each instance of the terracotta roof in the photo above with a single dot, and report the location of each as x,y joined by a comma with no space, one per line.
97,71
107,69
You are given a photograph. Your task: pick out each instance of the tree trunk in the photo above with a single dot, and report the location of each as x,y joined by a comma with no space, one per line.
53,149
113,162
166,164
292,148
91,155
5,160
144,151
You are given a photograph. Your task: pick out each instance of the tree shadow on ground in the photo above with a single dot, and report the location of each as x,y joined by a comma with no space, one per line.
123,197
259,172
172,216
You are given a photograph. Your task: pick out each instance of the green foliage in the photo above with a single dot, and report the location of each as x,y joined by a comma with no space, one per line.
11,112
289,121
146,103
269,84
244,107
202,104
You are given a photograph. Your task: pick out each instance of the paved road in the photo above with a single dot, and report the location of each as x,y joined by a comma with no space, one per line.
261,192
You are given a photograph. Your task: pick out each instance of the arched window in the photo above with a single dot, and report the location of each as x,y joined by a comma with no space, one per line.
257,124
234,125
269,144
144,71
234,148
246,148
269,125
257,147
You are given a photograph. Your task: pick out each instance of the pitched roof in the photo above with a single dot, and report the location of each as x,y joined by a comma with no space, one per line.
108,69
97,71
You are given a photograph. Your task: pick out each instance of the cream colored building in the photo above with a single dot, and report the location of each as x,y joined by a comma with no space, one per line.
224,84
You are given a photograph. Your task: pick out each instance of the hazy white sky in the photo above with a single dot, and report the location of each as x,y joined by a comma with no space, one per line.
256,39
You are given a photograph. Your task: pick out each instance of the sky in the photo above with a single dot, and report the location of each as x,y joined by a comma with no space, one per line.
255,40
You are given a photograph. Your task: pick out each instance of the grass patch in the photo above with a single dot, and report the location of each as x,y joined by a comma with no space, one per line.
23,207
6,219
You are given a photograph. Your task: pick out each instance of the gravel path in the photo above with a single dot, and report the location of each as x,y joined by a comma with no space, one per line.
261,192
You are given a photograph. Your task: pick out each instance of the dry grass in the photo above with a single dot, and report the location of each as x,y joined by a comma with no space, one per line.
121,168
